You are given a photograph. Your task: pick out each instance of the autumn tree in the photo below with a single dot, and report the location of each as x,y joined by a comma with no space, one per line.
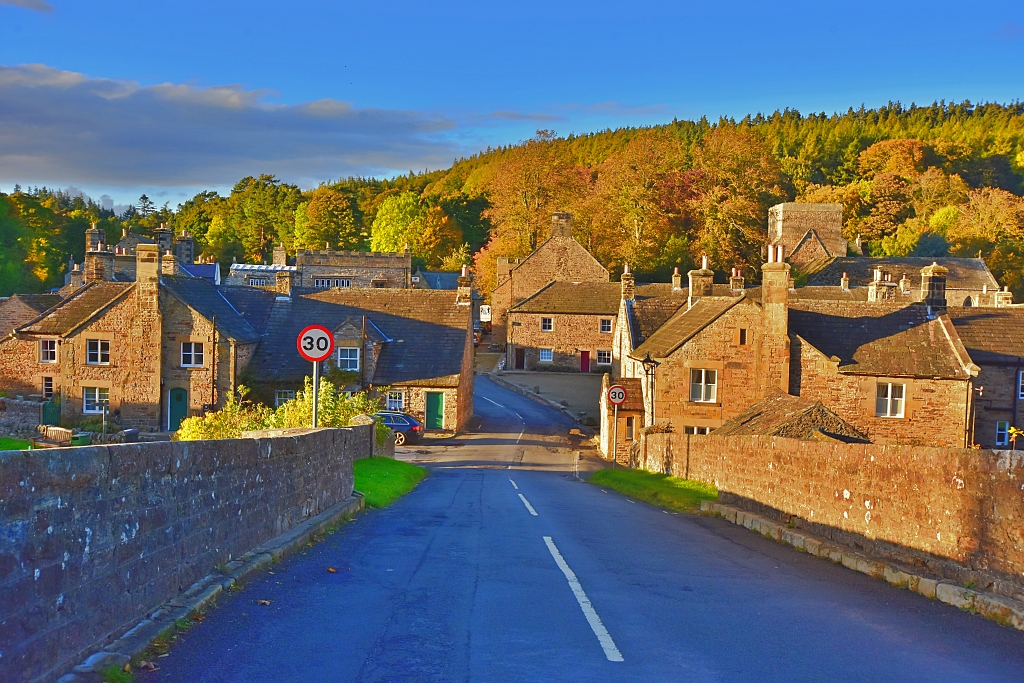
326,219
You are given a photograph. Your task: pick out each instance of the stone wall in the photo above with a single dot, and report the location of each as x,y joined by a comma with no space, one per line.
999,402
571,334
18,417
95,538
958,513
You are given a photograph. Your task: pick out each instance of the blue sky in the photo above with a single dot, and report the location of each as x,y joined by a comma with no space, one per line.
122,97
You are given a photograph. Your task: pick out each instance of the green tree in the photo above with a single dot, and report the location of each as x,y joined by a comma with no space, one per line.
394,223
326,218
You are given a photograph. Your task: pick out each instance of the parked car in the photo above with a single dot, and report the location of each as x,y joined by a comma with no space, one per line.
407,428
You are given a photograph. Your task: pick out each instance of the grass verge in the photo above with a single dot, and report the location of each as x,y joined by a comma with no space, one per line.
383,480
12,444
659,489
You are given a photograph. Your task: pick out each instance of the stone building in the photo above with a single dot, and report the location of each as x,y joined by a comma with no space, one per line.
630,414
18,309
328,269
807,232
560,258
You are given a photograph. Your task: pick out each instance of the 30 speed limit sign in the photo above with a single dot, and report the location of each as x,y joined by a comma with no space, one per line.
616,395
315,343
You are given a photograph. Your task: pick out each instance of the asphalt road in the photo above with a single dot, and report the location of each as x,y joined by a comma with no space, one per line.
460,581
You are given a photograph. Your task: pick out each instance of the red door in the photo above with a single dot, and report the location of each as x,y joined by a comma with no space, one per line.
520,359
584,361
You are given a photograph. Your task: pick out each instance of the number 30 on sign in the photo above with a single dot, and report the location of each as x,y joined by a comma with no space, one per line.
616,395
315,343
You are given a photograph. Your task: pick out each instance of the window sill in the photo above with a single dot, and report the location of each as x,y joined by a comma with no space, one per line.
706,403
890,417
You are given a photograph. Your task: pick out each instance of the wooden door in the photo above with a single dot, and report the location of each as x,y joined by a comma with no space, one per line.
435,410
177,408
520,359
584,361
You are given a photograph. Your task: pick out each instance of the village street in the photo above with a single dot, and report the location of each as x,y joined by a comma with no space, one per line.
501,566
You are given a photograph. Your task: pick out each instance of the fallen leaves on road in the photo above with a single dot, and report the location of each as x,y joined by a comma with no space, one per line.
198,617
146,665
264,602
332,570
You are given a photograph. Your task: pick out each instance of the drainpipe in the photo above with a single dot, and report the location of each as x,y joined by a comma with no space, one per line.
231,365
1016,395
213,366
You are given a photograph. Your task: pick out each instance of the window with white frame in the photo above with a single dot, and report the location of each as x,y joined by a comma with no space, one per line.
258,282
191,354
703,385
47,350
322,282
1002,433
547,324
283,396
47,388
343,282
1020,384
547,355
889,399
604,357
606,326
348,358
94,398
97,352
696,430
395,400
630,428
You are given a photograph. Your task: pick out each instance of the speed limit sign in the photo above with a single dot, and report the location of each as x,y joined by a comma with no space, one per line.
315,343
616,395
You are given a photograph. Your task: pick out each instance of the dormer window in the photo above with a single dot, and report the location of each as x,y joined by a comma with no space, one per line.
348,358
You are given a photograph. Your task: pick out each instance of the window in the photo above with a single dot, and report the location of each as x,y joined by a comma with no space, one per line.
395,400
547,355
343,283
606,326
283,396
348,358
48,351
743,336
703,385
889,399
47,388
1020,384
94,398
696,430
322,283
258,282
97,352
547,324
604,357
1002,433
191,354
630,428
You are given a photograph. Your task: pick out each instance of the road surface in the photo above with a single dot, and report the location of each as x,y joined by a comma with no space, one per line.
501,566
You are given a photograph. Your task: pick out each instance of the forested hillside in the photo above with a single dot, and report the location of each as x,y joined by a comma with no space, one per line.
918,180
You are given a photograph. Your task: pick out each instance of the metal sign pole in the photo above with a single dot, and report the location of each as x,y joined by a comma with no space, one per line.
615,436
316,391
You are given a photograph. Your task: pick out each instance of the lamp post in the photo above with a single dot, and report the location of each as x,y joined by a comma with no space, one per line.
650,369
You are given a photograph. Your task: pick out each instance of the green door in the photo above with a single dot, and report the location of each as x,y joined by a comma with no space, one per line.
435,410
177,408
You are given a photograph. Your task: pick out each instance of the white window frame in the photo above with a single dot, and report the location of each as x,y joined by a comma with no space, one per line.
549,322
257,282
395,401
195,349
604,362
550,356
48,396
1002,433
1020,384
340,361
342,282
47,350
606,322
102,351
888,405
283,396
697,430
630,428
100,396
322,283
703,385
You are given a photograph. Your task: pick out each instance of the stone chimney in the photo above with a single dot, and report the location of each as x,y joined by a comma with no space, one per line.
280,255
185,249
905,284
774,350
677,280
99,264
844,282
169,265
284,281
76,279
933,286
164,238
464,291
1003,299
628,284
92,239
561,224
736,281
701,282
148,264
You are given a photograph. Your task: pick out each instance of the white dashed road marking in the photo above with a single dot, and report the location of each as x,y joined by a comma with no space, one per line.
513,484
528,506
603,637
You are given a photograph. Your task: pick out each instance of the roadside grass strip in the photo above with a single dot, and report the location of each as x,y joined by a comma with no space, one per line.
673,493
383,480
7,444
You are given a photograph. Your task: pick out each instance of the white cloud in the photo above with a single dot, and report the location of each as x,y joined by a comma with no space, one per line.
37,5
65,127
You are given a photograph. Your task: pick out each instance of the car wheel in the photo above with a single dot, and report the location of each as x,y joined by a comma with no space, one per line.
399,438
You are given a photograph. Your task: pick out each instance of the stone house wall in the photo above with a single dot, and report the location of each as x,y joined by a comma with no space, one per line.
571,334
999,401
416,403
956,512
19,416
14,313
100,536
21,373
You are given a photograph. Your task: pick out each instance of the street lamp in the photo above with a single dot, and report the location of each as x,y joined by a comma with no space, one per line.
650,368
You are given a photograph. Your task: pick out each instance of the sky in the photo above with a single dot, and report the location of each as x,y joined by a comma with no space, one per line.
123,97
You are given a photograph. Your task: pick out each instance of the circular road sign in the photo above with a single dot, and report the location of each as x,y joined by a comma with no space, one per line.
315,343
616,395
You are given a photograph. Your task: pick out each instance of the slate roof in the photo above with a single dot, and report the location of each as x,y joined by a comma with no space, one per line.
427,331
993,336
964,273
438,280
38,302
880,339
835,293
682,326
77,309
207,271
634,393
208,301
793,417
585,298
